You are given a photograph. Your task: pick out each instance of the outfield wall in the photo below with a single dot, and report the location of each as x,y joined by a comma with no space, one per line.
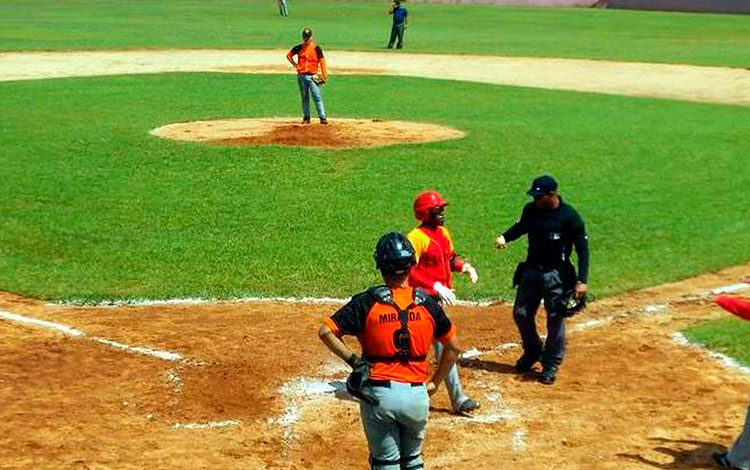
707,6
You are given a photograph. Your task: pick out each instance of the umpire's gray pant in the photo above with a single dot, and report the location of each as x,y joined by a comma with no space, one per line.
395,428
739,456
536,285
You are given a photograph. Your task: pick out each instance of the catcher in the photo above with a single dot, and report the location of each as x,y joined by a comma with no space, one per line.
309,59
739,456
395,325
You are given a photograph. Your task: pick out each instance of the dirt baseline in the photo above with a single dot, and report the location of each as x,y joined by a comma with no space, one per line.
339,133
261,392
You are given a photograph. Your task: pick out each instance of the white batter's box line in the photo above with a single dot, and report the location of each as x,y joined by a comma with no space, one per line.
76,333
209,425
235,300
731,288
725,360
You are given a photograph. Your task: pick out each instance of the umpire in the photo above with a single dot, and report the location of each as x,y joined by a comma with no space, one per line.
553,227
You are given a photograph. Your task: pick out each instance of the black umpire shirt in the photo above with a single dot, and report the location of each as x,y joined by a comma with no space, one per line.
552,234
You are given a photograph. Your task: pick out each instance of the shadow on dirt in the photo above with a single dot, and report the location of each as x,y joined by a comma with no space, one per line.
699,456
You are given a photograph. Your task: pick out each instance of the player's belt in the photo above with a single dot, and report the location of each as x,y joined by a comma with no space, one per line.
392,359
387,383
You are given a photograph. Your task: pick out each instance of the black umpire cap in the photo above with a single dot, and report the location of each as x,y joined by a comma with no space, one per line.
543,185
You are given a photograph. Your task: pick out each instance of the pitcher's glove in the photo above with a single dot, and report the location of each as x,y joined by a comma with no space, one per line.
320,80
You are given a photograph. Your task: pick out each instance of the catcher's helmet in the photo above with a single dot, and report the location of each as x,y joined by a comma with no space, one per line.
426,201
571,305
394,254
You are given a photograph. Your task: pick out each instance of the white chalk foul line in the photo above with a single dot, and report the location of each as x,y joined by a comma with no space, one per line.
731,288
210,300
76,333
727,361
66,330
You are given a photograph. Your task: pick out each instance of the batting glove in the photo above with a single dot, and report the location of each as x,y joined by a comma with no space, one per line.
500,243
469,269
446,295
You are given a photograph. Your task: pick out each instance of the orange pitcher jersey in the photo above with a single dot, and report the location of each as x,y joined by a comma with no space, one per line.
436,258
373,320
309,57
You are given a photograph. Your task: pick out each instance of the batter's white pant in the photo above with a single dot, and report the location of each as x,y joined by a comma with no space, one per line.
395,429
452,380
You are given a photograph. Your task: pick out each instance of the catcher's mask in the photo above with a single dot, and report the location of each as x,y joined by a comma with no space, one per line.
357,384
571,305
394,254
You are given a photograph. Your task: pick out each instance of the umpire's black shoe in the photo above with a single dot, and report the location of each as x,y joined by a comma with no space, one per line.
722,460
549,374
526,362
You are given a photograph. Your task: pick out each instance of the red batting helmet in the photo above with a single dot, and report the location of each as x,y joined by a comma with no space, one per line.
426,201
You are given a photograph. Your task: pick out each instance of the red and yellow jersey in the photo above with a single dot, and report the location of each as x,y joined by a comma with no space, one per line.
373,319
436,258
309,57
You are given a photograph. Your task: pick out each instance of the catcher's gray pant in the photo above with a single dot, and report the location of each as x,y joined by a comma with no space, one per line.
282,8
739,456
307,87
395,429
452,380
536,285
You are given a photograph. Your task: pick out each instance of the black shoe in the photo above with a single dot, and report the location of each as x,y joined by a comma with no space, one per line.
305,120
467,406
549,374
722,460
526,362
323,121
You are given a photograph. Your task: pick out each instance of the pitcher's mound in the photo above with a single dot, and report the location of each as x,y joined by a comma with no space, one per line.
339,133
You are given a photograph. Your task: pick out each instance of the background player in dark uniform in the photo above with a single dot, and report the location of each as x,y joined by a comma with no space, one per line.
553,227
400,23
395,325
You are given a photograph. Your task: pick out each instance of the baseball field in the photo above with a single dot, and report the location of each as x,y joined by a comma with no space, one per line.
160,293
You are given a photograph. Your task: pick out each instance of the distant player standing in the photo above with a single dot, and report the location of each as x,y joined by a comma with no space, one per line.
283,11
436,261
309,59
400,23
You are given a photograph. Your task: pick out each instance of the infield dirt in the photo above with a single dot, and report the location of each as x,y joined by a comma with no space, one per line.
628,396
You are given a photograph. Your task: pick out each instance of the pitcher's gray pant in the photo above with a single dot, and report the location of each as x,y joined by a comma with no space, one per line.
395,429
307,87
739,456
536,285
452,380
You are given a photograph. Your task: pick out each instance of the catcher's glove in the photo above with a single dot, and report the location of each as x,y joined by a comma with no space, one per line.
357,383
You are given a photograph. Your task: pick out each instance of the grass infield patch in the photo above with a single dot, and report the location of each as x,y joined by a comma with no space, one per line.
95,208
730,336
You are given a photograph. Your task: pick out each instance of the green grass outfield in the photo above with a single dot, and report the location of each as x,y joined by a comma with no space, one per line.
730,336
356,25
95,208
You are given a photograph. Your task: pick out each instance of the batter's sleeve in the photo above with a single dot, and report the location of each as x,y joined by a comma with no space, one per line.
457,262
350,319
